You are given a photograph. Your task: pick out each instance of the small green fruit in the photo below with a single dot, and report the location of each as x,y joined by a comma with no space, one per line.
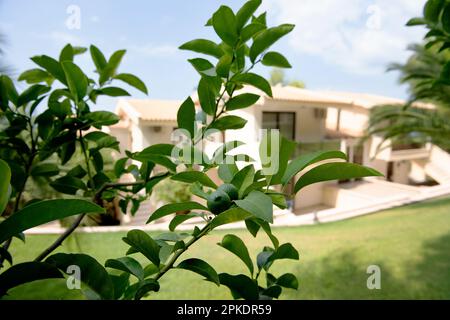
230,190
218,202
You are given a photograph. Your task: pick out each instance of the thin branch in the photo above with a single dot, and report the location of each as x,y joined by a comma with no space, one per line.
77,222
175,257
61,238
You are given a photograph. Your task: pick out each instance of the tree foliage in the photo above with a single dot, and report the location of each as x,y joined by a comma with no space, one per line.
32,138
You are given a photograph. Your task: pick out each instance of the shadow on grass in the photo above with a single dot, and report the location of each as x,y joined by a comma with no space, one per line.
343,276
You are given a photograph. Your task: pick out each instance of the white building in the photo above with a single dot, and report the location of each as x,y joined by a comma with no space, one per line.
317,120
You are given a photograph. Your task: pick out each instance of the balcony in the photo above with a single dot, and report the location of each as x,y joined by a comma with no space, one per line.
411,151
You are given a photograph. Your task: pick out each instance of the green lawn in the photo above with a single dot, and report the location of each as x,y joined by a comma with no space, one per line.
410,244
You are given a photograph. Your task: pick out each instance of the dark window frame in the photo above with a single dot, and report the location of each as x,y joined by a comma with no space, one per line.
278,113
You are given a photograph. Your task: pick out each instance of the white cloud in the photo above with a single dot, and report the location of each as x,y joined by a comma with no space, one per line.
60,37
150,50
361,36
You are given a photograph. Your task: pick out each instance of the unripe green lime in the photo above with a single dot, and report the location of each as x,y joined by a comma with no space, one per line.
218,202
230,190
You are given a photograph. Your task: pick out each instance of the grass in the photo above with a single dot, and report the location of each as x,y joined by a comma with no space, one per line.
411,245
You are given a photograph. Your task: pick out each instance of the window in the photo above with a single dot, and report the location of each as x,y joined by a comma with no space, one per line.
283,121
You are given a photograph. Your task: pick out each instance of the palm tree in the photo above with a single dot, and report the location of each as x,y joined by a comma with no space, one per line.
408,124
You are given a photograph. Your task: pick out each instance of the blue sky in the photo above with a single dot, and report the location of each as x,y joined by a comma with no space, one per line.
337,44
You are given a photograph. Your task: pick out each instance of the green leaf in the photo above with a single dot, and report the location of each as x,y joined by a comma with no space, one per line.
288,280
240,286
51,66
156,149
416,22
227,172
174,207
111,67
220,153
26,272
229,123
5,189
32,93
258,204
157,159
154,181
35,76
263,258
266,228
143,243
285,251
201,267
224,23
271,292
245,13
77,172
251,31
120,283
68,185
133,81
145,287
207,96
177,220
102,118
267,38
7,92
334,171
287,148
45,170
186,117
300,163
66,53
128,265
445,18
103,140
242,101
92,273
243,178
229,216
98,58
223,66
254,80
275,59
4,254
113,92
203,46
119,167
235,245
76,80
42,212
193,176
252,227
278,199
202,66
432,10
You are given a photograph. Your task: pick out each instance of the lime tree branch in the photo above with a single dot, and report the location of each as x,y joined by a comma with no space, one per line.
80,218
178,253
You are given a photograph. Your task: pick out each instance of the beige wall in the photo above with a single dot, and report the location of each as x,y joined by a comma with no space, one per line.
309,196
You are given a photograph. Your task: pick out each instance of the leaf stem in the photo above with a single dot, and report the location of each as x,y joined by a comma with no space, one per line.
177,254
